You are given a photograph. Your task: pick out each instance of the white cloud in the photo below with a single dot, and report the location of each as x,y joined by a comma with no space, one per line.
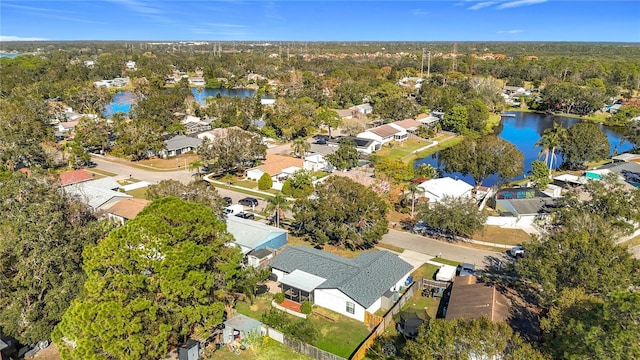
517,3
481,5
509,31
419,12
234,26
19,38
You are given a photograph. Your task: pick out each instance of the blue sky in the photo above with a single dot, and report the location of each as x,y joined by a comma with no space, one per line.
225,20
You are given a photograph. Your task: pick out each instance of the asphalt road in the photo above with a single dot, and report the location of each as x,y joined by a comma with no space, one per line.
124,171
434,248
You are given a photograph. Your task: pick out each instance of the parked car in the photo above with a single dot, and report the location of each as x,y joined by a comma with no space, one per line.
321,142
227,201
246,215
248,201
466,269
516,251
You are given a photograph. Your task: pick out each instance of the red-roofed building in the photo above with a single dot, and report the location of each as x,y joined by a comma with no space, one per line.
74,177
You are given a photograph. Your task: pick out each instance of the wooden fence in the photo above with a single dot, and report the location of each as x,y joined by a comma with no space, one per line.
386,320
299,346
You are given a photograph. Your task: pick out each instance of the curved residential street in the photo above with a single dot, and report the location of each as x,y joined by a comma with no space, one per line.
433,248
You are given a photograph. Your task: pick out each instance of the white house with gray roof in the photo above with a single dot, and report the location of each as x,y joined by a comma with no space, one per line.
180,144
99,194
350,287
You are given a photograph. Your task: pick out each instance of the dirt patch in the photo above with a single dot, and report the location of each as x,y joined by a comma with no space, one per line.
50,353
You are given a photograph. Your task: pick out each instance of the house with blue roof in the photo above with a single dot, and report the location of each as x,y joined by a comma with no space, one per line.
256,240
351,287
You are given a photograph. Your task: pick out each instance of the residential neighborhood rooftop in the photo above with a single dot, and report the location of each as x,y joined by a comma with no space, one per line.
249,233
128,208
74,176
274,164
468,301
364,278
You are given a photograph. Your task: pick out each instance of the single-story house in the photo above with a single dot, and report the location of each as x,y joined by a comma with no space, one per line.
569,179
626,157
251,236
316,162
218,133
130,64
180,144
99,194
364,109
385,133
75,176
196,81
351,287
194,124
428,120
437,189
67,126
239,328
526,211
469,300
126,209
408,125
274,165
366,146
345,114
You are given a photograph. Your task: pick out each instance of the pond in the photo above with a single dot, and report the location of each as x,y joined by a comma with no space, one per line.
524,130
123,100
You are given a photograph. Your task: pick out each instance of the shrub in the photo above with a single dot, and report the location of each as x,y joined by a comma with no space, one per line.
276,319
303,330
305,307
279,297
265,182
286,188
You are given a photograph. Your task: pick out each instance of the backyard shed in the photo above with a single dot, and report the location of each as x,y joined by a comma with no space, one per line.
239,328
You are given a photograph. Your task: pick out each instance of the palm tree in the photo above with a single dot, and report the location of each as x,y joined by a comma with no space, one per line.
196,165
301,146
413,189
278,204
550,142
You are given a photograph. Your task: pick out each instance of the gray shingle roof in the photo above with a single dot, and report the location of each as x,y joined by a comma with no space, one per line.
180,142
364,278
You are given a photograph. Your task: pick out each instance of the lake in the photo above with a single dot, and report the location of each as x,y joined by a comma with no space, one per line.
524,130
9,55
123,100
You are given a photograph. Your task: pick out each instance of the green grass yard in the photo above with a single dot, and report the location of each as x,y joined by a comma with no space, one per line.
340,336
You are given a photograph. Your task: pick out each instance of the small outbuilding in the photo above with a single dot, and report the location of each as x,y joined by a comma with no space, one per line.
239,328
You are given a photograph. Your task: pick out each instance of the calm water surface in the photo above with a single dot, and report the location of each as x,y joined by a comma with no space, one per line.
524,130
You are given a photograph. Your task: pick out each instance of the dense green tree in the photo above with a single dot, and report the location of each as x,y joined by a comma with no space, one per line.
478,338
346,157
137,138
299,185
584,142
343,213
456,119
483,157
196,191
539,175
43,235
396,170
151,283
93,134
608,200
582,326
265,182
632,134
623,116
582,256
426,170
455,216
238,150
328,118
477,116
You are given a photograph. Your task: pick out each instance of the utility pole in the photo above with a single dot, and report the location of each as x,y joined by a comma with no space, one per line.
422,65
429,65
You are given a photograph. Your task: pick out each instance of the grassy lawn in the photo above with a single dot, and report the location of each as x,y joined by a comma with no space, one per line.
446,261
267,350
426,271
442,145
165,164
340,337
101,172
390,247
249,184
420,303
401,150
140,193
295,240
498,235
